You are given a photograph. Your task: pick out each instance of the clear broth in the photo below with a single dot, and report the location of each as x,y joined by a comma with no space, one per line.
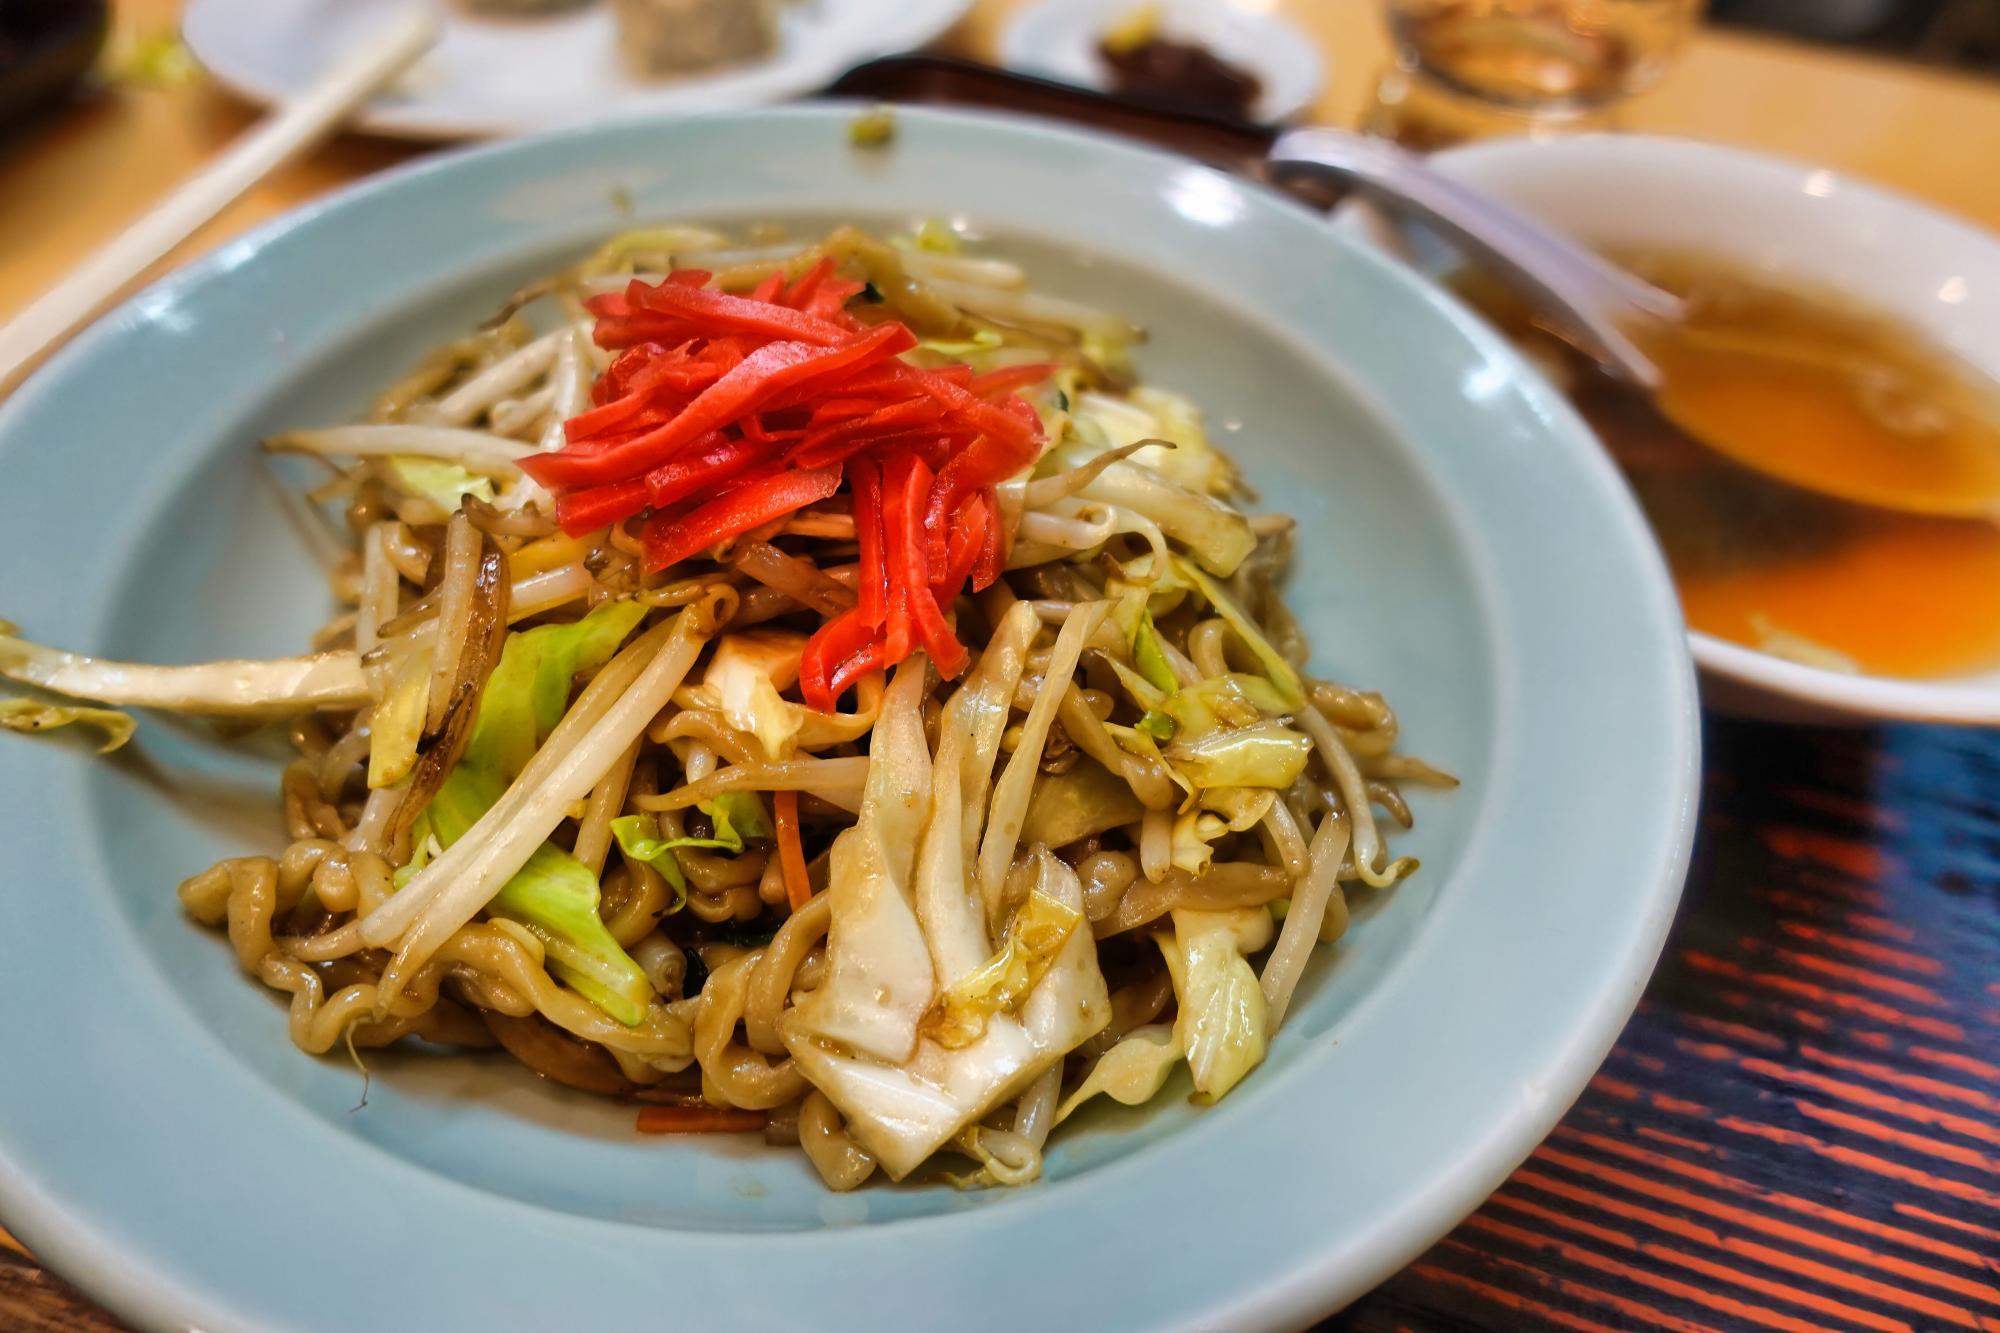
1796,537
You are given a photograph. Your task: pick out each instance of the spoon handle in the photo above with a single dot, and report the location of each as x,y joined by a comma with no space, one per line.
1584,292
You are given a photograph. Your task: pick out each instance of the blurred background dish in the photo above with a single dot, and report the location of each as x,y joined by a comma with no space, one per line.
1803,607
1467,69
1189,55
515,66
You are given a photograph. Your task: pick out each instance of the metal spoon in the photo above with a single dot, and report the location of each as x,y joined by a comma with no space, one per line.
1592,303
1585,297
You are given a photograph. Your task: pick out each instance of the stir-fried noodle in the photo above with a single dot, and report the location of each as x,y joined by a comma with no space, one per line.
813,688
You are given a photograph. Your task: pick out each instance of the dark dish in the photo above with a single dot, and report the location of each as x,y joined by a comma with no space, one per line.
1222,141
1167,72
46,47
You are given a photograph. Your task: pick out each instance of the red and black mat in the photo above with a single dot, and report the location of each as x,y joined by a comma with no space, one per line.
1800,1128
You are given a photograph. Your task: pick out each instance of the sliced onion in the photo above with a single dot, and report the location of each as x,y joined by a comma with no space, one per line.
801,580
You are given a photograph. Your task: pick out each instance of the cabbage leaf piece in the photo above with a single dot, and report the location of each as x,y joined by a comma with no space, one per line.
1222,1023
396,727
441,482
1001,984
879,977
1132,1072
1222,1026
1086,800
905,1108
32,715
1173,480
1217,535
736,815
250,689
553,895
904,1112
1266,755
744,681
528,690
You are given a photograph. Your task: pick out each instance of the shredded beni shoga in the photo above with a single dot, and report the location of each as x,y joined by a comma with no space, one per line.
810,687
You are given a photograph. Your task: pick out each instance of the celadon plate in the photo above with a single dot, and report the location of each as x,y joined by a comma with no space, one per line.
1465,547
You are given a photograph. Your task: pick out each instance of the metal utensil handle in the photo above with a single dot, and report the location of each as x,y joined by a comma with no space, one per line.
1555,274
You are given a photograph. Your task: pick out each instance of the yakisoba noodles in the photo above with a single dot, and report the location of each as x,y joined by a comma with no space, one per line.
804,687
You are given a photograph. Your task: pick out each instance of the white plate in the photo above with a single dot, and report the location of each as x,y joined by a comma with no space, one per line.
1057,39
490,77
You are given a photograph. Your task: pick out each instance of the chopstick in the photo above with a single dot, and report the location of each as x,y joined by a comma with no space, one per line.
302,122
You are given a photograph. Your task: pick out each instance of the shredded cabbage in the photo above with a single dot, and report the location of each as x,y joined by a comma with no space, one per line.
1140,741
1243,808
934,236
962,348
1193,831
904,1112
1143,691
738,817
554,896
1237,699
1217,535
904,1101
1150,658
397,725
1222,1028
1150,414
610,714
526,693
1283,677
31,715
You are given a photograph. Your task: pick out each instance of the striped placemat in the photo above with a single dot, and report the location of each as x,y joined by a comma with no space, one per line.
1800,1129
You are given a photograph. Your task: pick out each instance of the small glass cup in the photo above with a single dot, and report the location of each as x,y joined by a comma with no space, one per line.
1469,69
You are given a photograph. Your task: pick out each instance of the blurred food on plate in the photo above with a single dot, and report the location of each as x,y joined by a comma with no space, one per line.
1145,62
1225,61
664,38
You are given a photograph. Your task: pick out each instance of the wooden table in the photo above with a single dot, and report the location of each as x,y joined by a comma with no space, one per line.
1801,1127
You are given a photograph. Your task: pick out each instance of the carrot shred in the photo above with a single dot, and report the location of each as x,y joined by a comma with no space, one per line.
699,1120
720,413
791,855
